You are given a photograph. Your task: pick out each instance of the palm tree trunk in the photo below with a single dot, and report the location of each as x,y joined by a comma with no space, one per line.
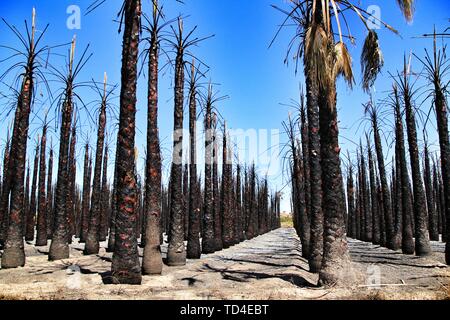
92,240
104,199
86,197
421,230
373,197
126,268
49,204
176,255
336,265
31,217
41,236
193,245
431,203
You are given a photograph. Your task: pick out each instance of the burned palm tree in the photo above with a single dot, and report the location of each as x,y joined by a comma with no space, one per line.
431,201
92,240
325,59
193,245
4,200
31,213
373,196
41,235
402,169
72,187
299,192
373,113
59,248
217,213
49,200
152,261
125,267
104,198
176,253
422,244
85,200
436,66
13,255
227,222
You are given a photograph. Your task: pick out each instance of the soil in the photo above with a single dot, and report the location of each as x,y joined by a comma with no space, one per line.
267,267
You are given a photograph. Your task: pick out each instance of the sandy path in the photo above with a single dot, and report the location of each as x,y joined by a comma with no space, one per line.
267,267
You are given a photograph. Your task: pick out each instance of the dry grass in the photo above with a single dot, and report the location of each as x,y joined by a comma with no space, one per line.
286,221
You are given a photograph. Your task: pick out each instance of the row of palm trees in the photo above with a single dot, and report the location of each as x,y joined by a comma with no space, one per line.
317,180
211,215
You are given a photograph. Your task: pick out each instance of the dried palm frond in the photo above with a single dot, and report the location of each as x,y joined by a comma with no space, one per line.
371,60
343,63
316,52
407,8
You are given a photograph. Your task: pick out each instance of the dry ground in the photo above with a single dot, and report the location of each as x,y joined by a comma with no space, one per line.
267,267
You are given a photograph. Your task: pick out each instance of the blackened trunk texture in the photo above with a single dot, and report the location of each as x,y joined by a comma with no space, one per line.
13,254
367,226
59,248
420,214
387,211
41,235
92,239
381,209
193,245
431,203
305,153
397,200
86,197
31,214
407,230
112,222
176,254
374,200
216,190
104,199
152,260
444,142
4,200
26,199
316,213
209,243
239,220
227,223
126,268
336,265
49,204
72,170
300,202
351,203
186,201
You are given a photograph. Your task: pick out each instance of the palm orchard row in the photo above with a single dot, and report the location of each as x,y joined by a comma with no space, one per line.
402,209
229,206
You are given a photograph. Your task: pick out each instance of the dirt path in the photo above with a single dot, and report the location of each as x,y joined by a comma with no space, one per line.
267,267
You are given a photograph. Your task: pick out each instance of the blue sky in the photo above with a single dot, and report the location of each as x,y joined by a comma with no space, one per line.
251,74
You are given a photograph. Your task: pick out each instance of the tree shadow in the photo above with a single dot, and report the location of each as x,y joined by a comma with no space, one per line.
266,263
245,276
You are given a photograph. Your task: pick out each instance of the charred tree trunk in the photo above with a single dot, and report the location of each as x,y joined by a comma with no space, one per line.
126,268
31,217
193,245
92,239
176,255
420,221
49,204
104,199
152,260
431,203
336,265
41,235
86,197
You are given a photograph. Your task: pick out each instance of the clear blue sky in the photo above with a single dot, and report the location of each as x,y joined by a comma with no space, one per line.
252,75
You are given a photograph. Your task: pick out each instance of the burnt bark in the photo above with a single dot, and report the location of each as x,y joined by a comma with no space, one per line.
126,268
93,235
41,235
31,213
